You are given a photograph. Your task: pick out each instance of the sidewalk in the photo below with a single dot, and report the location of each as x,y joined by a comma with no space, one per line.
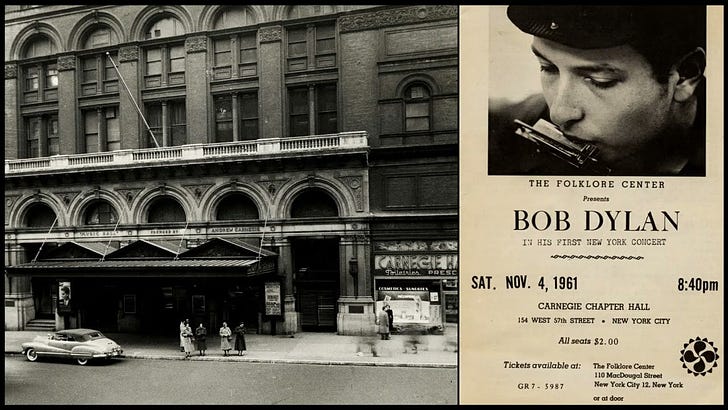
305,347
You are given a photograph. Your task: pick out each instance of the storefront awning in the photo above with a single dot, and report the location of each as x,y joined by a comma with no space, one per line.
147,268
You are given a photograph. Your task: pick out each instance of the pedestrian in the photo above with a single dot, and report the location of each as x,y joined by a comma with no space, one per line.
390,316
240,339
225,336
187,343
382,322
182,327
201,339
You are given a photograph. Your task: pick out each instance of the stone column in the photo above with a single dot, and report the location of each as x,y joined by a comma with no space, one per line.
285,267
68,136
11,111
19,305
196,79
355,305
272,91
134,133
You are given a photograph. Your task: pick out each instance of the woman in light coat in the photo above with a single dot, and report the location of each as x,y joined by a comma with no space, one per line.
225,336
187,341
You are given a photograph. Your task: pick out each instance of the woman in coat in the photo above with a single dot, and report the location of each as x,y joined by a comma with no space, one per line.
240,339
201,339
187,341
383,323
225,336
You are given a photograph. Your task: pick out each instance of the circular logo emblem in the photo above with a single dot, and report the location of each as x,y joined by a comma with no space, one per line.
699,356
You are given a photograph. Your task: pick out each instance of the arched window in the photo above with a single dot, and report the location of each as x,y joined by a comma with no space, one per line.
297,12
97,72
417,107
101,36
39,46
39,78
314,203
230,17
100,212
236,207
164,64
164,27
39,215
166,209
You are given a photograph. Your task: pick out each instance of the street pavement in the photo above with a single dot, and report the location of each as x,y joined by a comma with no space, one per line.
304,347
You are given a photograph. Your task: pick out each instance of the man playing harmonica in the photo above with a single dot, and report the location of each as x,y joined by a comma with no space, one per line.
625,80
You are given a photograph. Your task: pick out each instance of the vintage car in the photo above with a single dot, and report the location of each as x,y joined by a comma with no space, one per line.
80,344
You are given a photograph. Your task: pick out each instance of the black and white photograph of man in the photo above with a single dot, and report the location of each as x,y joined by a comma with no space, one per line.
618,90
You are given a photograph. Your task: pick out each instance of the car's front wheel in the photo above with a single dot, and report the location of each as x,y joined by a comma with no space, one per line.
82,361
31,355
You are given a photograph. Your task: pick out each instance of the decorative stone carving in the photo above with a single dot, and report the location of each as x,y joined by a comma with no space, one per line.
272,185
270,34
66,63
68,196
11,71
128,53
408,246
354,183
198,190
385,18
129,193
9,202
196,44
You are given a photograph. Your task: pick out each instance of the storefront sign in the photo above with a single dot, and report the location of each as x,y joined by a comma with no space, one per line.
444,264
273,299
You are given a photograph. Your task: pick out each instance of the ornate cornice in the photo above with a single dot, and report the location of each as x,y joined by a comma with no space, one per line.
270,34
66,63
196,44
128,53
11,71
393,17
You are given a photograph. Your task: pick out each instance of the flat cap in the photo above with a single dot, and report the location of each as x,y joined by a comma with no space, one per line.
589,27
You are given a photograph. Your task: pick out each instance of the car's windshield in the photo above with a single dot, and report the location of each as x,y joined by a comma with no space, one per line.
91,336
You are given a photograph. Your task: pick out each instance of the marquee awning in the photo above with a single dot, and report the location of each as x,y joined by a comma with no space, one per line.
146,268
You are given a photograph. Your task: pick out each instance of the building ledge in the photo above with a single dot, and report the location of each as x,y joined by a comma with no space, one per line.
328,144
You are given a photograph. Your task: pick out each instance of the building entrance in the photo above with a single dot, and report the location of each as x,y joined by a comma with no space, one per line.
316,267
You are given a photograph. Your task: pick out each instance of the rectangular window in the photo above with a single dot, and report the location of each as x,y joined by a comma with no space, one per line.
91,131
89,70
51,76
297,49
53,147
298,99
31,79
113,133
222,52
33,129
248,116
326,109
417,116
324,100
223,119
176,59
248,55
311,47
178,122
154,119
154,61
325,46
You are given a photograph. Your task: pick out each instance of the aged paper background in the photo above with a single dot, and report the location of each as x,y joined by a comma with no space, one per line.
490,333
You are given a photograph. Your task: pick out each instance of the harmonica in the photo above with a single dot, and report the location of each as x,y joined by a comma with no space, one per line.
550,139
